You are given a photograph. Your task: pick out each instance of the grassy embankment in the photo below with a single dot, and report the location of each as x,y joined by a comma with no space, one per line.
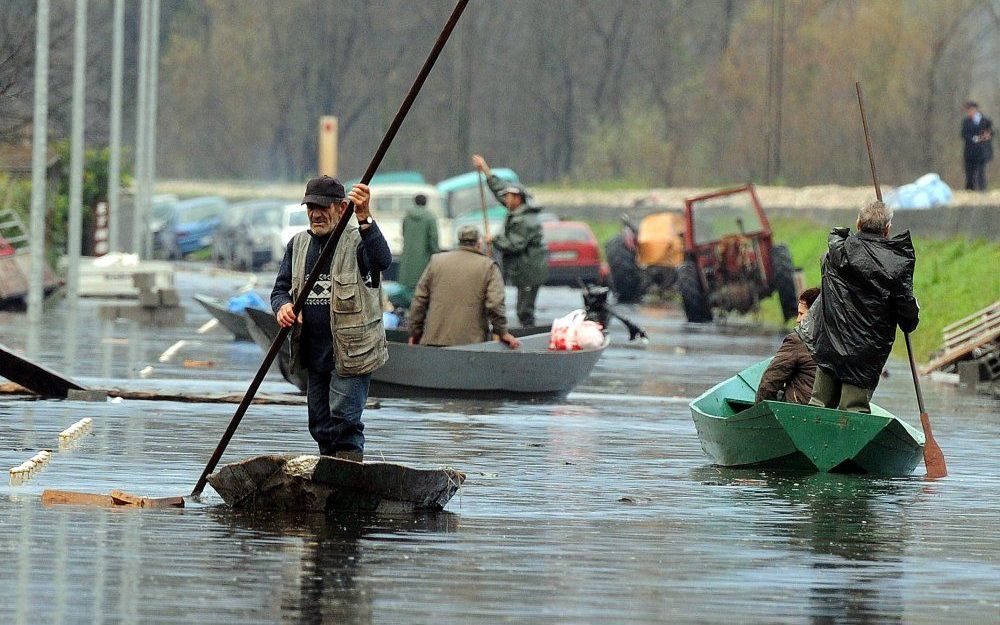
954,277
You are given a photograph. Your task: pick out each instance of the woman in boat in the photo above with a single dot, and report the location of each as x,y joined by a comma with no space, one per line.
791,373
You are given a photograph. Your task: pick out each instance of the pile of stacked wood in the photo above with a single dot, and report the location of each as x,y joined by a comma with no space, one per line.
971,349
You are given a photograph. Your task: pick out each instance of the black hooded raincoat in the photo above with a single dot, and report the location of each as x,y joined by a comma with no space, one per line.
867,290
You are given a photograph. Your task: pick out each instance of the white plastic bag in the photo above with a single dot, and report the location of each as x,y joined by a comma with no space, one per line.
572,332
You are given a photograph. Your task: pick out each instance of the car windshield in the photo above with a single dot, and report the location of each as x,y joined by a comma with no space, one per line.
162,212
718,217
200,212
298,218
467,200
266,216
567,234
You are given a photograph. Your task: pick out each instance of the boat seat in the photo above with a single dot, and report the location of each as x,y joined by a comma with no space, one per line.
738,405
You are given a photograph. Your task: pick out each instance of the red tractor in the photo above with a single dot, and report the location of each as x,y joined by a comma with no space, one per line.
730,261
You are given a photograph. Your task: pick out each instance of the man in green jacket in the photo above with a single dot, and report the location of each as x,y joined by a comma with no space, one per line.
420,242
521,244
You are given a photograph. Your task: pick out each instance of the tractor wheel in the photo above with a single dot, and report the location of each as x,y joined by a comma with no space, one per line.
784,281
626,277
696,305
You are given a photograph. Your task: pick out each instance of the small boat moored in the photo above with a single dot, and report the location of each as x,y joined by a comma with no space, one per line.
734,432
483,370
232,321
310,483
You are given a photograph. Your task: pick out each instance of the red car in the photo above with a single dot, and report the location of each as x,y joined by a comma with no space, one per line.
573,254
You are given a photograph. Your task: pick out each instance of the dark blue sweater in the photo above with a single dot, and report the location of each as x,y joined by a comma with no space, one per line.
373,257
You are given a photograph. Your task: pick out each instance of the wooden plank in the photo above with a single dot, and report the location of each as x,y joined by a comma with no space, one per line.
34,376
56,497
953,355
959,337
994,307
128,499
117,499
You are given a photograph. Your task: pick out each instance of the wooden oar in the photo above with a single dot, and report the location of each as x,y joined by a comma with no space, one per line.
327,252
486,219
933,456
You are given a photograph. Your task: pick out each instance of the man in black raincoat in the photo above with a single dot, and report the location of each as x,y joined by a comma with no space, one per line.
867,290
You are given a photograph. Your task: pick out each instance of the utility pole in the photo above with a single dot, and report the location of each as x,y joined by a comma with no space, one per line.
39,161
115,157
152,84
76,181
139,158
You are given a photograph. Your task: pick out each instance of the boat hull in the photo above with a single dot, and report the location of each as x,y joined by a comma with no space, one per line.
483,370
263,328
324,484
479,371
234,322
736,433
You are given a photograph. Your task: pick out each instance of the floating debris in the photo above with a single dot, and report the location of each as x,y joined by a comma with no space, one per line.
26,469
74,431
116,499
198,364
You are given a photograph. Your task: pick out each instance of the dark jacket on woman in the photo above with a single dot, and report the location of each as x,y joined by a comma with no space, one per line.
792,370
867,290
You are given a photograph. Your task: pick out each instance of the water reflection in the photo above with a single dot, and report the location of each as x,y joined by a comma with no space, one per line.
326,582
853,529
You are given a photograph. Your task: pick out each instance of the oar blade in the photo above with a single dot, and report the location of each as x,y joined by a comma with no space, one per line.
933,456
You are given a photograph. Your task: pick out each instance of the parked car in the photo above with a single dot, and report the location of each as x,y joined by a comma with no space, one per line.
292,221
195,221
244,238
464,205
574,254
161,227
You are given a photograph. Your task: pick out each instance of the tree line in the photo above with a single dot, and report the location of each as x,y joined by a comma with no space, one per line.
639,92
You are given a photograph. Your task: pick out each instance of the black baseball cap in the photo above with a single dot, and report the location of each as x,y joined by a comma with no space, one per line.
323,191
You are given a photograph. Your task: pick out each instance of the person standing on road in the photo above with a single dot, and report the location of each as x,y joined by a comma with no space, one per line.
866,291
338,337
977,133
792,371
459,296
420,242
521,244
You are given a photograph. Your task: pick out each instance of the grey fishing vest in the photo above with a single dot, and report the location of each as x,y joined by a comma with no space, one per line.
359,344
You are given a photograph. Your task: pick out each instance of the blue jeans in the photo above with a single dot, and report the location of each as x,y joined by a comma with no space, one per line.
335,407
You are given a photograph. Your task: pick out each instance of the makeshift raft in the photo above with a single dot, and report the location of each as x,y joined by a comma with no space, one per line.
736,433
326,484
234,322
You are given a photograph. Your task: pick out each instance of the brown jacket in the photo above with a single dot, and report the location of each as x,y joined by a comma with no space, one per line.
458,293
792,370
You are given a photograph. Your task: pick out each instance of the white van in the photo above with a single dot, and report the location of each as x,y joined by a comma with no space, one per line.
389,204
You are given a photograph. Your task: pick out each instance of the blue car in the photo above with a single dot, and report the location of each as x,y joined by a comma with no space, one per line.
195,221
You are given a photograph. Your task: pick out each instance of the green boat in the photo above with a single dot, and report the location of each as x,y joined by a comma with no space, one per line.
735,432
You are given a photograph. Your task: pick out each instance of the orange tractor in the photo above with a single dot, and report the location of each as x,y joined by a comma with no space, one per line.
645,258
718,255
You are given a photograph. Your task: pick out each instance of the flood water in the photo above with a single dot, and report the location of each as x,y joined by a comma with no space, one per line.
600,508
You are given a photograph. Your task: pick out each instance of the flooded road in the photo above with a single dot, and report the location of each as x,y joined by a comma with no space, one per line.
600,508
